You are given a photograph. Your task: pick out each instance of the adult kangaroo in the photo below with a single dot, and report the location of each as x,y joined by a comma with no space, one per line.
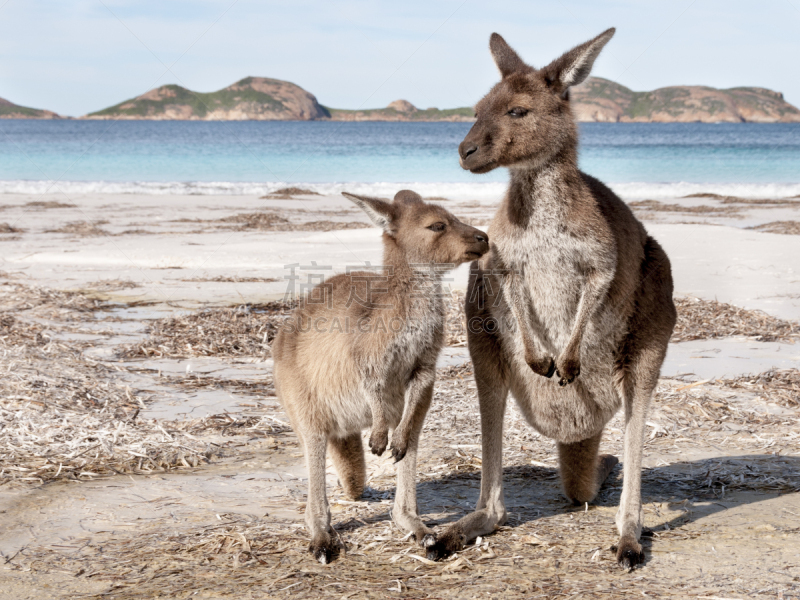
572,286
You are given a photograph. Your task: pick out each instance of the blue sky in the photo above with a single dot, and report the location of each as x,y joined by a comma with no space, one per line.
83,55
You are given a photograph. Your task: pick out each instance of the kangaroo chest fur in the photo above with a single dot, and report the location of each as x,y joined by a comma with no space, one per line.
415,338
418,340
553,263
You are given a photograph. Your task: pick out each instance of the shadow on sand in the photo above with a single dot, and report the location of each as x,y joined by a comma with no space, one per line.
533,493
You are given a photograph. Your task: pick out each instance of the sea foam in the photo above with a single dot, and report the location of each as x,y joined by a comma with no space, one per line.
454,191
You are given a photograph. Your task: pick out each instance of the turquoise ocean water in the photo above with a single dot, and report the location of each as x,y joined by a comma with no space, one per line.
637,160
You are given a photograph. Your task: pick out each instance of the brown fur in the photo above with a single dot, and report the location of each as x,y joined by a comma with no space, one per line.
573,286
361,352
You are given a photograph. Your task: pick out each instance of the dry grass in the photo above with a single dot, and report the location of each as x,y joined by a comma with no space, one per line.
783,227
707,319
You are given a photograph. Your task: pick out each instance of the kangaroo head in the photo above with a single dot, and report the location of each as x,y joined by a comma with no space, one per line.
424,233
525,120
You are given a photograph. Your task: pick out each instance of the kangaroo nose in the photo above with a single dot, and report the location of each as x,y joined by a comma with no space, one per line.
465,150
481,237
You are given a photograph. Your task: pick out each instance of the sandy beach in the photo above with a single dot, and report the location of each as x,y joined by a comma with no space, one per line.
144,453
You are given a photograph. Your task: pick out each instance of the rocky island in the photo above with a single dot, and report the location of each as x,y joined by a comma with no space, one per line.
606,101
9,110
597,100
250,99
600,100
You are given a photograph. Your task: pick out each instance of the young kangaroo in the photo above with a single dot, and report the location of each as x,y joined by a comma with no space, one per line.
573,286
361,351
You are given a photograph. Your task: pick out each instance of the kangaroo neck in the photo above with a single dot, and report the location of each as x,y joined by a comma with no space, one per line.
546,186
417,281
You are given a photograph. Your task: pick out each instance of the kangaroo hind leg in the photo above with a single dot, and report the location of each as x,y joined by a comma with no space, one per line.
582,470
348,457
318,514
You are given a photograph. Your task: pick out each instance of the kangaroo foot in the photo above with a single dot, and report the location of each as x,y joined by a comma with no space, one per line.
629,553
378,440
323,549
542,366
452,540
605,464
567,370
428,540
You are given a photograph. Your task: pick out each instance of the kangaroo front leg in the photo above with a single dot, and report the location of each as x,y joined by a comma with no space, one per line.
516,295
318,514
568,365
418,399
379,435
490,512
405,513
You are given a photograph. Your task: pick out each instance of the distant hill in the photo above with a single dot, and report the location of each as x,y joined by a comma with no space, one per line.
603,100
9,110
252,98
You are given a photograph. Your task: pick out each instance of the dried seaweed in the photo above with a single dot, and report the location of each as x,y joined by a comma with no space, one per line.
547,549
655,205
775,385
231,279
82,228
47,204
245,330
16,297
6,228
783,227
287,193
707,319
739,200
66,416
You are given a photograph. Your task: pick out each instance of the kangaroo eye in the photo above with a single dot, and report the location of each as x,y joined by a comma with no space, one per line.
437,227
518,112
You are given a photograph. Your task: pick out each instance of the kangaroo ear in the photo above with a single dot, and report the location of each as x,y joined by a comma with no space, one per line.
381,212
405,197
504,56
572,67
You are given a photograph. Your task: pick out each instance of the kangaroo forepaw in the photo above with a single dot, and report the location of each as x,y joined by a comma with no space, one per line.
398,450
378,440
567,371
542,366
449,542
324,551
629,553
